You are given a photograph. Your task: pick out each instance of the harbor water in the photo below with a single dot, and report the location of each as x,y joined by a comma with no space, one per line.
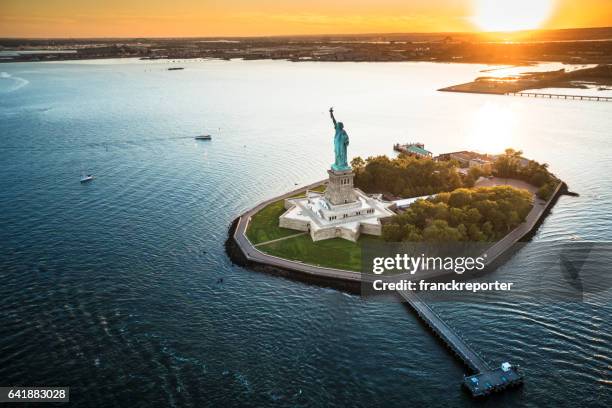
113,287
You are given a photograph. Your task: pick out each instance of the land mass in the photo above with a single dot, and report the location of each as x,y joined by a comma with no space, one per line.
576,46
599,76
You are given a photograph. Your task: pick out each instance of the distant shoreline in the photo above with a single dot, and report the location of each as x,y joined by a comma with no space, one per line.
600,76
66,55
572,46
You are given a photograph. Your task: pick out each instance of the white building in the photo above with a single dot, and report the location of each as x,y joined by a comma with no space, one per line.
342,211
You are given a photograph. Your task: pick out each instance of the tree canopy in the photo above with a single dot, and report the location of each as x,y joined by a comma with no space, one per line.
405,176
480,214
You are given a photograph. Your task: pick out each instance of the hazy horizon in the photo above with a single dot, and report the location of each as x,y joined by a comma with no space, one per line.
315,35
272,18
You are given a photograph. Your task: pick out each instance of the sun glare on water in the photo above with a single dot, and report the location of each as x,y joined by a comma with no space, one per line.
511,15
491,128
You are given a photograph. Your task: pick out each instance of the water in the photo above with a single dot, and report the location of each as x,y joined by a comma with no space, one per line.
16,53
111,287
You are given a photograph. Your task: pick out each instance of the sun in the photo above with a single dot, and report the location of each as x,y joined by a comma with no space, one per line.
511,15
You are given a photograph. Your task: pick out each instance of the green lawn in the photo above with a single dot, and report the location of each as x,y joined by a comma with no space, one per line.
333,253
264,225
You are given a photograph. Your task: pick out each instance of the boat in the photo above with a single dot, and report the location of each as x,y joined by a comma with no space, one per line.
175,68
86,178
203,137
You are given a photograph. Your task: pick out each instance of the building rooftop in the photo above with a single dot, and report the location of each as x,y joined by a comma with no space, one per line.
406,202
418,150
315,208
324,220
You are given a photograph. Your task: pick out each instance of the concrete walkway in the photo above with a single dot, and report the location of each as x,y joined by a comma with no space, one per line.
466,353
280,239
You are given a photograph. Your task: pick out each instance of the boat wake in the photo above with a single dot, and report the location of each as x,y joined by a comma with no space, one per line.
12,83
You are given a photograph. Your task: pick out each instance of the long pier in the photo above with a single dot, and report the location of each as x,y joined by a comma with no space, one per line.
486,379
469,357
559,96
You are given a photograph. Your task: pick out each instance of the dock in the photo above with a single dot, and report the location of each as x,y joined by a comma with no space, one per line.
476,88
485,379
559,96
415,149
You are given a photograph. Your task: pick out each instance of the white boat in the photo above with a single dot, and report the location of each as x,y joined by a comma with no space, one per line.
203,137
86,177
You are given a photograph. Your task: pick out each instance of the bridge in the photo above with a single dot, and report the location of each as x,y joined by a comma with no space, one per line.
559,96
486,379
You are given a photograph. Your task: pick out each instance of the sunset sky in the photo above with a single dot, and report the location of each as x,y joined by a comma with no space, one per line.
174,18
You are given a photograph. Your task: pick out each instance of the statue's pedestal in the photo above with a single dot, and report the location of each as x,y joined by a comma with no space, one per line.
340,187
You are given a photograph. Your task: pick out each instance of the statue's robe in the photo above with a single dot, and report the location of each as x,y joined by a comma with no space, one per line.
341,141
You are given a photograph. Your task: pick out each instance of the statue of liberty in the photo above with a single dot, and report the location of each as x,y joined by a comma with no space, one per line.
341,141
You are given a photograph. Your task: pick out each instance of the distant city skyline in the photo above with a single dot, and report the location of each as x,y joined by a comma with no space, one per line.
192,18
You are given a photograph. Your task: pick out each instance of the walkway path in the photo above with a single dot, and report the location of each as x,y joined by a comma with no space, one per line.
470,357
562,96
280,239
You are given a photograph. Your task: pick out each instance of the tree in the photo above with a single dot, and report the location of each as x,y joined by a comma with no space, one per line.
392,232
357,164
472,216
546,191
412,233
508,163
456,216
440,231
475,234
487,229
460,197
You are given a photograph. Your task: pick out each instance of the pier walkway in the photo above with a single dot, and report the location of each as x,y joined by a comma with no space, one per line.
559,96
485,379
469,357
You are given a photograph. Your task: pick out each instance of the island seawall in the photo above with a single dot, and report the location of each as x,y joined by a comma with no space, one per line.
243,253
